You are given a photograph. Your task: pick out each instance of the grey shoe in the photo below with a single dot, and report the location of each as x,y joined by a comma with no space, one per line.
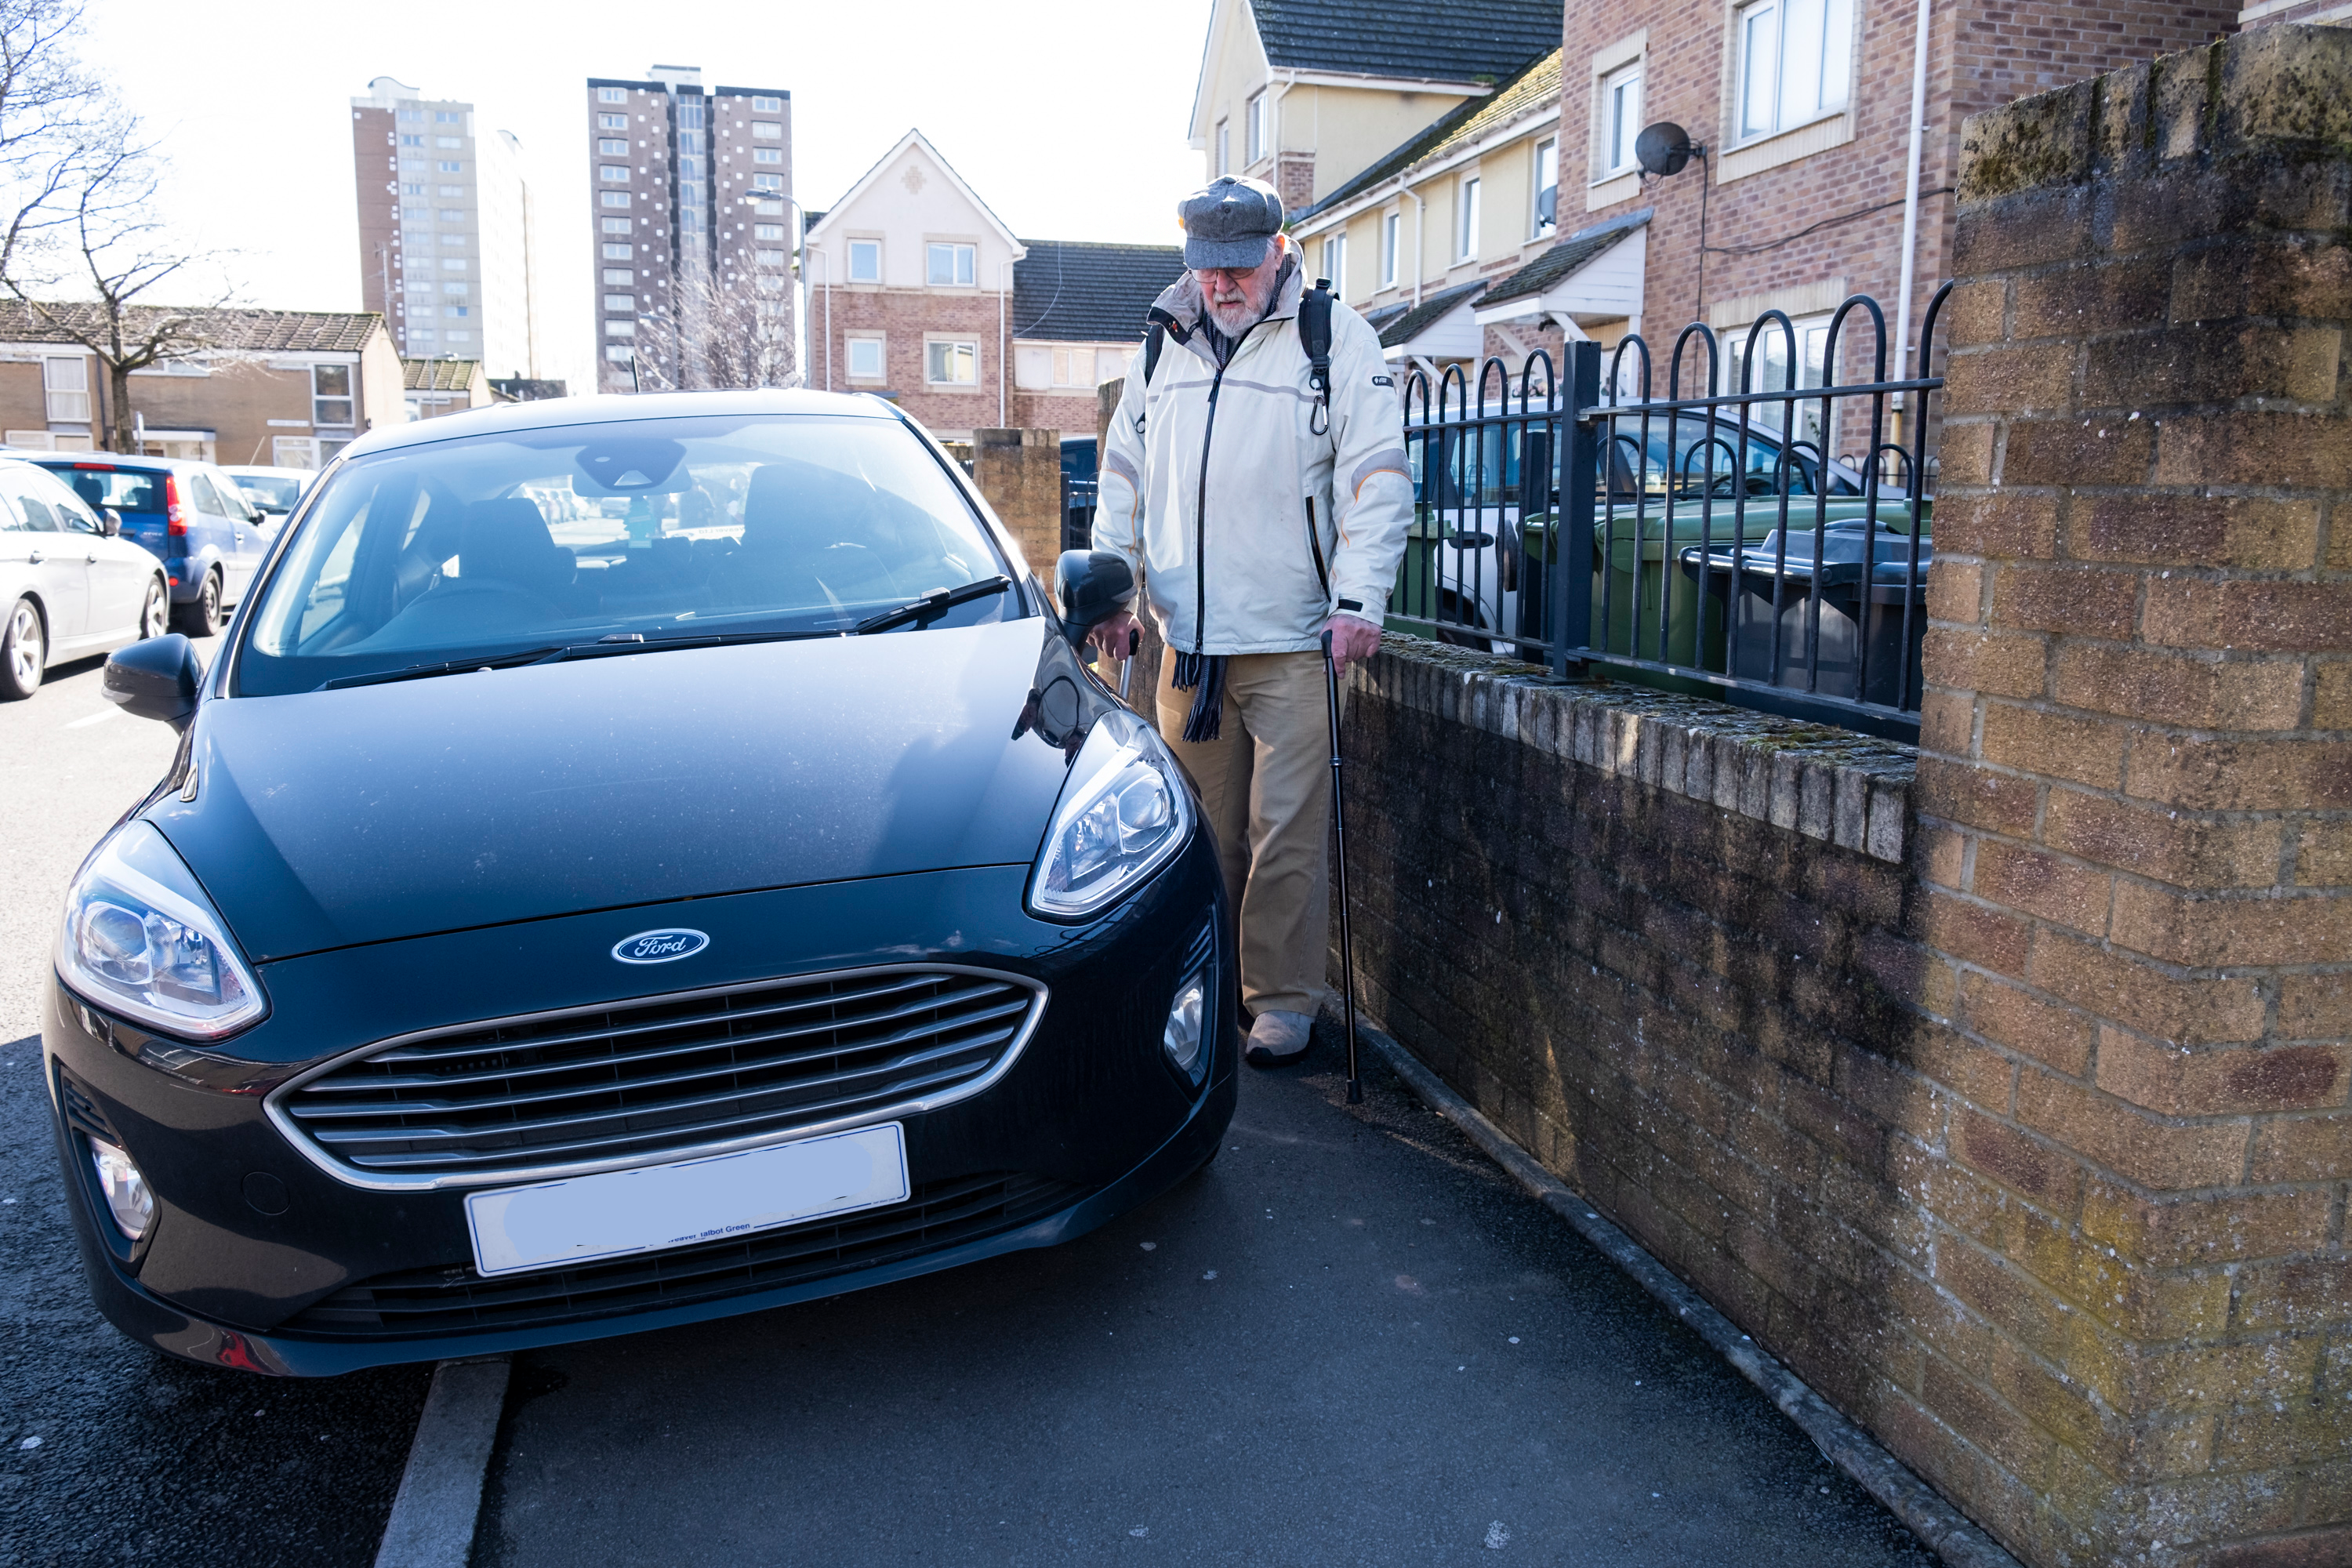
1277,1038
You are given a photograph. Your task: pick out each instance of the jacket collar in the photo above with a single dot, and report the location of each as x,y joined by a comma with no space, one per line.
1179,307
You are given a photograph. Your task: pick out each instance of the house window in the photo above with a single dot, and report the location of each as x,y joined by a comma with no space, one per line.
767,106
450,167
330,394
767,155
616,226
1467,241
613,146
1254,123
624,304
950,265
619,278
294,451
1074,367
865,262
1796,63
619,252
453,264
865,359
619,354
767,182
613,174
1621,120
65,383
1547,205
448,116
455,289
1771,371
767,231
457,337
612,95
412,190
951,363
769,258
615,198
767,131
1392,231
408,141
1335,264
450,190
1224,149
612,122
448,141
411,116
620,329
453,215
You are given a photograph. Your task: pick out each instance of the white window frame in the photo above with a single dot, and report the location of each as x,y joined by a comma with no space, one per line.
961,251
1466,217
1335,264
932,344
1832,84
1391,243
1612,153
767,131
854,246
65,388
1254,123
321,402
612,95
1537,225
767,105
1224,149
626,304
853,342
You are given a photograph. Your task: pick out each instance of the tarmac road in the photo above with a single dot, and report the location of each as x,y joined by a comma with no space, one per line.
1350,1340
109,1454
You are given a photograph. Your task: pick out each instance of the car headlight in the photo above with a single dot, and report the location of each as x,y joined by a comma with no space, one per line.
1123,814
142,940
128,1202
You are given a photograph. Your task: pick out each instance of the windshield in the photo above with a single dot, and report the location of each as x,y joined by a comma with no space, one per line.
491,545
124,490
269,491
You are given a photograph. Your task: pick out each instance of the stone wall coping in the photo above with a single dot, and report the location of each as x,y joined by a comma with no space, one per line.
1849,789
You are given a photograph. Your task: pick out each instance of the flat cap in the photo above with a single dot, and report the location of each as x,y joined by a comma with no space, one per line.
1229,223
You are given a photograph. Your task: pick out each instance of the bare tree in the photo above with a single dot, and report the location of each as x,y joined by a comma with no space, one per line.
94,234
718,336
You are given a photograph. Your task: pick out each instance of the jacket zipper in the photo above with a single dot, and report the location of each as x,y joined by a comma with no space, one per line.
1201,520
1315,544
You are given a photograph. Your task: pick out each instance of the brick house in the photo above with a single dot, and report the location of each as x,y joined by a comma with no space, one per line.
1807,164
287,388
920,293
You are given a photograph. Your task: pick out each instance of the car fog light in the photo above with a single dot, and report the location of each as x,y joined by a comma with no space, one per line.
1182,1037
127,1197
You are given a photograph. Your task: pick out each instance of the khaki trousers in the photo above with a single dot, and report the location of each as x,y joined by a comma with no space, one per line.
1266,784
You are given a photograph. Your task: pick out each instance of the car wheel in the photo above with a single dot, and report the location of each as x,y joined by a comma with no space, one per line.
202,618
155,612
24,651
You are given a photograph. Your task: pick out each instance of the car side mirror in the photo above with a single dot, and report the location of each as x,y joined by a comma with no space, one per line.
157,678
1093,586
110,522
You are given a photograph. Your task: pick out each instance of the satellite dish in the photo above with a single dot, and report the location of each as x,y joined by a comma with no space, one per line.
1664,148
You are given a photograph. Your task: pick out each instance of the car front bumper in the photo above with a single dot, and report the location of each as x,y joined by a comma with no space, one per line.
1089,1121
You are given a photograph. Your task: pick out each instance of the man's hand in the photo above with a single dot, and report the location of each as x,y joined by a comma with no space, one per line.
1111,635
1351,640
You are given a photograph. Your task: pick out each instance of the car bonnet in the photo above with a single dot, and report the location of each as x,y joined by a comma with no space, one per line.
332,819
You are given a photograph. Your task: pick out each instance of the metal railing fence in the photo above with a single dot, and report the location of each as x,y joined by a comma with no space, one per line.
1079,511
1765,545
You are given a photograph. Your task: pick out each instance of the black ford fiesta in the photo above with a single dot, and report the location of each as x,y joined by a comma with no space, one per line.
633,861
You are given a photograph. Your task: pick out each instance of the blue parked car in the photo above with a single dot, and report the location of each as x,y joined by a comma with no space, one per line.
210,539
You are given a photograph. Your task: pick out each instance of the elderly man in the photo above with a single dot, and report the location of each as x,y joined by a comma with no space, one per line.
1265,510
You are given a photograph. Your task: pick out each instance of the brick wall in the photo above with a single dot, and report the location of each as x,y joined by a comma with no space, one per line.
2007,1104
1020,472
904,317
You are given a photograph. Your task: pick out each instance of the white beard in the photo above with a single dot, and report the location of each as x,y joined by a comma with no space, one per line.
1231,319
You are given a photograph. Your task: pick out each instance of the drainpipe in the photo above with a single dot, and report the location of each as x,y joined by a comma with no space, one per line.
1911,204
1420,237
1003,343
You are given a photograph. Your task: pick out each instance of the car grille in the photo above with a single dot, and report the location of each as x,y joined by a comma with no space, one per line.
658,1076
455,1299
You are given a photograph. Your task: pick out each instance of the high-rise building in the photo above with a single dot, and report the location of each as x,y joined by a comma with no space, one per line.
448,249
695,222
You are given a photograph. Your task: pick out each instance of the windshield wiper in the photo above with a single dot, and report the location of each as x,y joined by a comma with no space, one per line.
603,647
936,601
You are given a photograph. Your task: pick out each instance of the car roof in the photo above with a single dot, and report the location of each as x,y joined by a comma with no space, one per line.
114,460
266,471
556,413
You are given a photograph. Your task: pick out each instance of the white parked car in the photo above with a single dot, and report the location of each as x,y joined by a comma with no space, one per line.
69,585
276,491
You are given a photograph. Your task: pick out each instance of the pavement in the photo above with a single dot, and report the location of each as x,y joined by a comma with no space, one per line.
1351,1340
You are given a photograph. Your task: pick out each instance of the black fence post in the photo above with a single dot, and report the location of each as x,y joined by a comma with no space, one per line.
1579,484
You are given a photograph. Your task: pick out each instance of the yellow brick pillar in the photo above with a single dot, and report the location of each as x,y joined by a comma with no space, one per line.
1020,473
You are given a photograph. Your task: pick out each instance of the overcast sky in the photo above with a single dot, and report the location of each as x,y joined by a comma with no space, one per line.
1068,118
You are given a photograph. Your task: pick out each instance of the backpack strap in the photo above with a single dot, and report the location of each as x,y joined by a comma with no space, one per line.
1315,337
1153,341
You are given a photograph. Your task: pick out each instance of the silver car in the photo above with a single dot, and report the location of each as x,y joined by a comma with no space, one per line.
70,586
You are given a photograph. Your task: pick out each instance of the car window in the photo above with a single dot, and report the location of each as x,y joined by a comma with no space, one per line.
765,524
207,499
71,514
39,516
124,490
272,491
231,499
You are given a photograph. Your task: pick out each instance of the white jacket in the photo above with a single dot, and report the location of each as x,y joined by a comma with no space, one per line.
1239,574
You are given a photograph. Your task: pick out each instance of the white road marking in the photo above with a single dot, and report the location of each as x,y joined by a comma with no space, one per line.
432,1523
101,717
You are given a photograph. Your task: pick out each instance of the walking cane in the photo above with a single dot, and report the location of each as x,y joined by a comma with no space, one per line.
1126,665
1339,827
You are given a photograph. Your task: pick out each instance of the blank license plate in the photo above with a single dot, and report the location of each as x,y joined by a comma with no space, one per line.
614,1213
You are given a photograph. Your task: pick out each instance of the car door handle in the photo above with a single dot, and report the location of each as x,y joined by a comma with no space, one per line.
91,558
35,558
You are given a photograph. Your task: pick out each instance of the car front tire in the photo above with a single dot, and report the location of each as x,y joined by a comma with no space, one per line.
155,611
24,651
201,617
